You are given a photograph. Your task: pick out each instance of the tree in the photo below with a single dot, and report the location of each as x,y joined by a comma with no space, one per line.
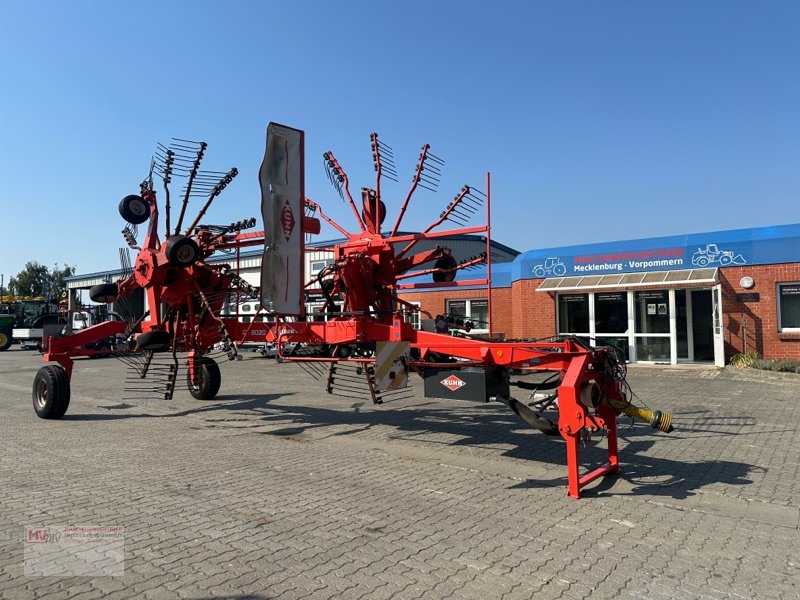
57,285
38,281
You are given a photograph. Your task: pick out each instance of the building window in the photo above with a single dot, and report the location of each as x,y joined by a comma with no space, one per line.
789,306
611,320
611,312
573,313
317,265
475,310
652,311
411,316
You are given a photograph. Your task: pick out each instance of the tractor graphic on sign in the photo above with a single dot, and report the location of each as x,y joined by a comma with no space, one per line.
551,266
712,255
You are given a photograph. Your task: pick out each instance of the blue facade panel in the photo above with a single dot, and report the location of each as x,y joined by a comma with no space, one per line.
763,245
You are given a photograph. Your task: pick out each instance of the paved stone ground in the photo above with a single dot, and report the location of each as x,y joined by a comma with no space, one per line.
277,490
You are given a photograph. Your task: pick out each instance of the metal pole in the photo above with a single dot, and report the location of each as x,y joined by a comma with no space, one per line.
489,251
744,333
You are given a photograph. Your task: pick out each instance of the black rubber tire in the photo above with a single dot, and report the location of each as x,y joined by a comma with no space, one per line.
134,209
5,339
210,380
181,251
155,341
51,392
445,262
104,292
368,214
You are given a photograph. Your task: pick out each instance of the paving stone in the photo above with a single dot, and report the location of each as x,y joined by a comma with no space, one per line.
277,490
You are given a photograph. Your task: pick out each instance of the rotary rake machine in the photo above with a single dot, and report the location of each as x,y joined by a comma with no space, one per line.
360,333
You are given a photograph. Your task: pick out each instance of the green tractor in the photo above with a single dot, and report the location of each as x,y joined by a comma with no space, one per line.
6,326
22,321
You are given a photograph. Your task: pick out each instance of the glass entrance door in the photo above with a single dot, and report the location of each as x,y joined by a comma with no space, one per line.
652,325
702,325
661,326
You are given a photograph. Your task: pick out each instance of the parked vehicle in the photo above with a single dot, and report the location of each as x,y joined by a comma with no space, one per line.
6,331
33,320
29,318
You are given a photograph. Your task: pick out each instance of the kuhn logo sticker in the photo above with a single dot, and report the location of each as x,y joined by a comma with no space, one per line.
452,383
287,220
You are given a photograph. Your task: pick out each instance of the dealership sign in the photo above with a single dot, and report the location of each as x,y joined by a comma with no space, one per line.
767,245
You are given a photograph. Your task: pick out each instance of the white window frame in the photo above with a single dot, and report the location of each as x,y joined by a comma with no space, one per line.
412,316
483,328
778,285
321,263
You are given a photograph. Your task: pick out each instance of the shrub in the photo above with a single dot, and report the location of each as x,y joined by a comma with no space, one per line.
745,359
783,365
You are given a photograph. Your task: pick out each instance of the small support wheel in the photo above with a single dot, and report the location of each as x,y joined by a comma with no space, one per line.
104,292
208,379
51,392
181,251
154,341
134,209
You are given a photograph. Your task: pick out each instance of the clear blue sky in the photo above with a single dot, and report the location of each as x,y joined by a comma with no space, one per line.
599,121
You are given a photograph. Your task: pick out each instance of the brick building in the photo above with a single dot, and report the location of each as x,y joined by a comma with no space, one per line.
690,298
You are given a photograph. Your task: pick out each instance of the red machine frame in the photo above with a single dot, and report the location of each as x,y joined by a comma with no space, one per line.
369,268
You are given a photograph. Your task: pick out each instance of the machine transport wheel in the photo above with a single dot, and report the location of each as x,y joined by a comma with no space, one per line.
134,209
155,341
368,211
51,392
5,340
181,251
445,262
208,379
104,292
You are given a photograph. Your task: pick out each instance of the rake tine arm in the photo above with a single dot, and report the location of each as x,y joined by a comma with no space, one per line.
415,260
376,155
444,214
344,184
221,185
318,210
192,174
414,182
475,260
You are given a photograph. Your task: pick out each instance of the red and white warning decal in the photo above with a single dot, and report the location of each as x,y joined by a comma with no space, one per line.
452,383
